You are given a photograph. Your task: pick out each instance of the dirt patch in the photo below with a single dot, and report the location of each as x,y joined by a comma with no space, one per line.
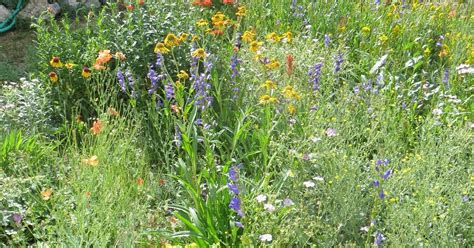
14,48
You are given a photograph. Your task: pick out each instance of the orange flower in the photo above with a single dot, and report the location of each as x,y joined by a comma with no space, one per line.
130,7
96,127
104,57
87,194
203,3
141,2
99,67
228,1
140,181
46,194
217,32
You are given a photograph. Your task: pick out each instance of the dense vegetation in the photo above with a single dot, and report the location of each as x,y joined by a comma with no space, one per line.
243,123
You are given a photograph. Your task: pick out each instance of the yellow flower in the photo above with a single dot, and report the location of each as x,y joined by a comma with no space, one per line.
269,84
86,72
53,77
383,38
219,16
46,194
273,37
427,52
291,109
273,64
183,75
199,53
56,62
365,30
396,29
444,51
202,23
183,37
290,92
287,37
248,36
69,65
241,11
171,40
161,48
218,19
195,38
267,99
255,45
92,161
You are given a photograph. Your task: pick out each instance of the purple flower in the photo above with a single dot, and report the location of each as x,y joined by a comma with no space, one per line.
446,79
377,2
239,224
233,188
121,80
387,174
338,60
465,198
356,89
376,183
235,204
169,91
131,83
17,218
159,60
382,194
378,239
327,40
315,75
154,78
233,174
202,96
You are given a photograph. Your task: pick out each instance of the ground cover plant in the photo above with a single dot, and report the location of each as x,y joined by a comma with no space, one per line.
243,124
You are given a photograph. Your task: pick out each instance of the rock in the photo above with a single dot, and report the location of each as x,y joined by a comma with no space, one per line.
88,3
34,8
4,13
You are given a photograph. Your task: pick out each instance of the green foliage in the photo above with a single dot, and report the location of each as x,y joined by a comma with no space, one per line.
354,129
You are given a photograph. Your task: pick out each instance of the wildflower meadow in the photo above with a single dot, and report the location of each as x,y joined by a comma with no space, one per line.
243,123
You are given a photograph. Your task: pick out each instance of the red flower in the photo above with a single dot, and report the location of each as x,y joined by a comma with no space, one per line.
289,64
228,1
203,3
130,7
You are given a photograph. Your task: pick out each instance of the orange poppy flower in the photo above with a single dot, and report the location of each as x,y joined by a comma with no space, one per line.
96,127
104,57
46,194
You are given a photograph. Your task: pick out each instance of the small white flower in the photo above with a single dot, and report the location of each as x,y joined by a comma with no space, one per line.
315,139
288,202
269,207
437,112
318,178
364,229
266,237
261,198
309,184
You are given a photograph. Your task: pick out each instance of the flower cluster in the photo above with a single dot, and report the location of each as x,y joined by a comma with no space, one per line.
235,203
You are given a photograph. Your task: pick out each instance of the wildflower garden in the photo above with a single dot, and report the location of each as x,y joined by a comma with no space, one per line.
251,123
